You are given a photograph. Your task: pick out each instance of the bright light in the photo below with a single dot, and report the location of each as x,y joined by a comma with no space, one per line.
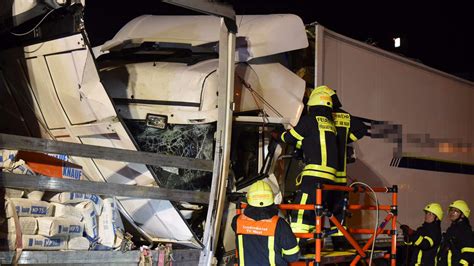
397,42
156,121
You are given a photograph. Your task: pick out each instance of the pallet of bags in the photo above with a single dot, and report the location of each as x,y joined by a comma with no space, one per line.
89,217
28,208
60,226
76,197
69,228
20,167
84,205
39,242
110,226
25,211
28,225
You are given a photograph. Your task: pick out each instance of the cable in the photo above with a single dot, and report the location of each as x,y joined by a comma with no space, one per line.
34,28
355,180
376,220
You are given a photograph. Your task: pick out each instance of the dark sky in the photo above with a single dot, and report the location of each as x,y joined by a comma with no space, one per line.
437,33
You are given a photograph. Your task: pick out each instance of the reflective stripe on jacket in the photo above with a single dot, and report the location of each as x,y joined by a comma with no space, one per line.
457,246
263,238
316,134
349,129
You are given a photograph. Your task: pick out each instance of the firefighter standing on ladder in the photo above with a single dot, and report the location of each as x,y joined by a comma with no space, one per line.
349,129
316,134
263,238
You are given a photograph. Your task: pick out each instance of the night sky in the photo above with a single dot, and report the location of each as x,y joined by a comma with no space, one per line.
436,33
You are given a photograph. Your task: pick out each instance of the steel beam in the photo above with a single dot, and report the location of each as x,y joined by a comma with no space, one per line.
180,257
44,183
97,152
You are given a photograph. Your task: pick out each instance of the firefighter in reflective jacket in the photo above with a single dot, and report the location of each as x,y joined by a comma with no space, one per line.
425,240
349,129
315,134
263,238
457,244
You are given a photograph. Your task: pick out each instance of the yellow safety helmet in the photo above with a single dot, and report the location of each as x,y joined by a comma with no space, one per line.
319,98
436,209
336,103
462,206
260,194
325,89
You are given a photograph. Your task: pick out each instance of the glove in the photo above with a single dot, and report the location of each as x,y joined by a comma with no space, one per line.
406,229
407,232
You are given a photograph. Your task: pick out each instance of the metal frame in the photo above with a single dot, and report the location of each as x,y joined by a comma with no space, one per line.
392,215
97,152
44,183
223,138
180,257
360,251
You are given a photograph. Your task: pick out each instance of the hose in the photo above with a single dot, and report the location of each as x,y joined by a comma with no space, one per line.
36,26
376,220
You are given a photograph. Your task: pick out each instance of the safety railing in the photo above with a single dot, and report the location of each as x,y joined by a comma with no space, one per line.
348,233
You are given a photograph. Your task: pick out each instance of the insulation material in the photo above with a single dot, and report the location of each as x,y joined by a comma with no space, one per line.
44,164
89,218
75,197
28,225
62,210
60,226
37,242
109,224
13,193
27,207
78,243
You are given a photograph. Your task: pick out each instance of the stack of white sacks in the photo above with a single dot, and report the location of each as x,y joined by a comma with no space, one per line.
67,221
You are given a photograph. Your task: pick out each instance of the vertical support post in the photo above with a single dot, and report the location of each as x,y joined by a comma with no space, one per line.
222,137
393,255
318,55
319,213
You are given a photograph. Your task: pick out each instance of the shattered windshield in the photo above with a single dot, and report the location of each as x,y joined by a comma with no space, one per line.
192,141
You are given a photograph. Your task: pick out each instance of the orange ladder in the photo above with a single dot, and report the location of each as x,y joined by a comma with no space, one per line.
320,213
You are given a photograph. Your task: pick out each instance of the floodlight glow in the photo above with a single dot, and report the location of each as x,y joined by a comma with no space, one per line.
397,42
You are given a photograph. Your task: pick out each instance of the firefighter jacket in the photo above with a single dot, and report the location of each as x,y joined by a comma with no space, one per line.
263,238
316,134
349,129
457,245
425,242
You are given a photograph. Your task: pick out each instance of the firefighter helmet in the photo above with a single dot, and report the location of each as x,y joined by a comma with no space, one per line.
335,100
325,89
260,194
462,206
436,209
319,98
